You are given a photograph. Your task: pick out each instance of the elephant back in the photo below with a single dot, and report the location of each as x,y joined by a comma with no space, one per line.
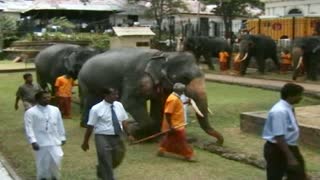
111,66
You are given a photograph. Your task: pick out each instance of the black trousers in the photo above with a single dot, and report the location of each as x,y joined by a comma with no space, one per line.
277,166
109,148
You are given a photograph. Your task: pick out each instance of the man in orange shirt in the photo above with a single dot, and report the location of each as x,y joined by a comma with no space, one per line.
286,61
223,59
63,87
175,140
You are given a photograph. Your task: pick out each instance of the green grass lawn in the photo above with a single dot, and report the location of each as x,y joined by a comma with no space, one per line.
226,101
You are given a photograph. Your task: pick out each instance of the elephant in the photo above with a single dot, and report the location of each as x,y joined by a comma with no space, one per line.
141,75
60,59
207,47
261,48
306,51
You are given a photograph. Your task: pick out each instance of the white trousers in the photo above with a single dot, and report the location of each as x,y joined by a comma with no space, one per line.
48,161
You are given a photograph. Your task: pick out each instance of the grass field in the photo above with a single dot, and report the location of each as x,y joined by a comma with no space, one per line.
141,162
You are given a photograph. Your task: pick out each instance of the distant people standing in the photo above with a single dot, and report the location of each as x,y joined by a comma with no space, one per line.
286,61
63,87
223,59
45,132
281,132
26,92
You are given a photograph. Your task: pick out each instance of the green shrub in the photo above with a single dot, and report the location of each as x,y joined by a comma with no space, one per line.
99,41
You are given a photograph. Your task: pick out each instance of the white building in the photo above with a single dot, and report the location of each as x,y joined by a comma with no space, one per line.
292,7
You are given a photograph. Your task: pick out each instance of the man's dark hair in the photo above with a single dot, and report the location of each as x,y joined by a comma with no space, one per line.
39,95
26,75
291,89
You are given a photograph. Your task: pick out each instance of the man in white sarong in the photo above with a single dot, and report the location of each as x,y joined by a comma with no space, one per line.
186,101
45,132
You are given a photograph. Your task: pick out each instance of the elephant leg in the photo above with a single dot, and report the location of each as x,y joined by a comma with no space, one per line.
41,82
244,65
88,101
276,62
144,125
197,56
261,62
208,60
311,70
156,112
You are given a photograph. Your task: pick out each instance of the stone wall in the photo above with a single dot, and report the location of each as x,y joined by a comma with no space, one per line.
309,123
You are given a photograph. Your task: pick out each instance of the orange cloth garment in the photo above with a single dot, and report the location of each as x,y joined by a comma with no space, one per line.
173,106
223,56
64,86
286,58
175,141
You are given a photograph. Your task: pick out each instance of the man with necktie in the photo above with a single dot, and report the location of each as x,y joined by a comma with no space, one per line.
107,119
281,132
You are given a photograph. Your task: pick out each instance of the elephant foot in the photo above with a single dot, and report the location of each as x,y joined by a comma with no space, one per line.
142,131
217,135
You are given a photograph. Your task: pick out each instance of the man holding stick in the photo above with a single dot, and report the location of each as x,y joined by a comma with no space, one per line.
175,141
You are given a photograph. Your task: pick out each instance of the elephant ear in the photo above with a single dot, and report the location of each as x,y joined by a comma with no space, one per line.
155,68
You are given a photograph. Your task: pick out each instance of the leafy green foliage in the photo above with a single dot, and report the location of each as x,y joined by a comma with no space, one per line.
7,24
99,41
61,24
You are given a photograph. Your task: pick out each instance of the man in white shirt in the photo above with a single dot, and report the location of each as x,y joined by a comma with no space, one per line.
107,119
45,132
281,132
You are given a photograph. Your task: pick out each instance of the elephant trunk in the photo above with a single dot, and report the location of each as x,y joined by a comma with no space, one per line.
196,91
297,57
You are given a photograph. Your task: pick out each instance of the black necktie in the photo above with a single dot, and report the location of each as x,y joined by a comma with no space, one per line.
115,122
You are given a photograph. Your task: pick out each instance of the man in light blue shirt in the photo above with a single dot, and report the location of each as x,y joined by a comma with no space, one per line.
281,132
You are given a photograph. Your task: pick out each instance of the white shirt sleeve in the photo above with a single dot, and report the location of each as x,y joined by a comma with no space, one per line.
29,128
93,117
278,123
60,126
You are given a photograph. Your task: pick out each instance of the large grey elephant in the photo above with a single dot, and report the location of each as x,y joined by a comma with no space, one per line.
141,75
207,47
59,59
259,47
306,52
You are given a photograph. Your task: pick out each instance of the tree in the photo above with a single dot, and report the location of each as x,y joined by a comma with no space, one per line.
161,9
8,27
229,9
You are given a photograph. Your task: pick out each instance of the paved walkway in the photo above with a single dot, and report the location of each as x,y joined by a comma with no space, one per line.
310,89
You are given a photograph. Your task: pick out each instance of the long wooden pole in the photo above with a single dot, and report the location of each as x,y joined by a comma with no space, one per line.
156,135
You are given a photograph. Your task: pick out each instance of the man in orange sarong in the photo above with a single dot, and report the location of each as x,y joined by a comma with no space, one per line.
223,59
63,87
286,61
175,141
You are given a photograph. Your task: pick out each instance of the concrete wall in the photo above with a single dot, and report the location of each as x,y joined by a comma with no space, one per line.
254,122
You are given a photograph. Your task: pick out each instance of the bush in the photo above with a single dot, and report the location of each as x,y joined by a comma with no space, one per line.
99,41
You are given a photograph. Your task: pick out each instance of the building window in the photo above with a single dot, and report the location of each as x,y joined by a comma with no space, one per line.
142,44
